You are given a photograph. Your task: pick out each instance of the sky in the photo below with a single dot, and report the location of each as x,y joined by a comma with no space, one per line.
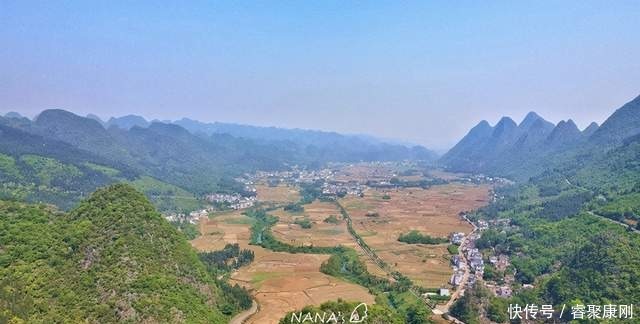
420,71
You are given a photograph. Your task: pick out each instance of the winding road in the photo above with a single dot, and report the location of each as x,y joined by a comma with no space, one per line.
594,214
242,317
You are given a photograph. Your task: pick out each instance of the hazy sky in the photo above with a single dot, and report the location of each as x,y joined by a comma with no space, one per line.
423,71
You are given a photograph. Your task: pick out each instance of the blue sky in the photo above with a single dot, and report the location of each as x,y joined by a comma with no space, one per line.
415,70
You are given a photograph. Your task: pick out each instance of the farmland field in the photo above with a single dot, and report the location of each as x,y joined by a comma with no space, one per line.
434,211
280,282
278,194
321,233
363,172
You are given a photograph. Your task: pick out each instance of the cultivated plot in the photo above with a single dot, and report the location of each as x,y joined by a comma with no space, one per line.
280,282
277,194
381,216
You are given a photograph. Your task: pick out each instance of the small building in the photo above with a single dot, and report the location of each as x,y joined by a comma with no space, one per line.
456,279
455,260
457,238
444,292
476,263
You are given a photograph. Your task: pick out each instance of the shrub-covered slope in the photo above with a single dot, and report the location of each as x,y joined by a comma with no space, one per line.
111,259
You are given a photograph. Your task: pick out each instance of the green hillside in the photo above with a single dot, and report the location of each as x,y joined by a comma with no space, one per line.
111,259
569,237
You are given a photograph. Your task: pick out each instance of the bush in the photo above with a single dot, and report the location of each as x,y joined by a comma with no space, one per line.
294,208
372,214
415,237
303,222
332,219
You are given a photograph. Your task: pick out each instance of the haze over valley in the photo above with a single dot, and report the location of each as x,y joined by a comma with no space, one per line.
319,162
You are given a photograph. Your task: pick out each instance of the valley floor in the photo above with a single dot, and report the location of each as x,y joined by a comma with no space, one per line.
283,282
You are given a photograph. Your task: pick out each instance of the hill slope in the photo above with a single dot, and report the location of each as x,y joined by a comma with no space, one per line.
111,259
200,161
623,123
37,169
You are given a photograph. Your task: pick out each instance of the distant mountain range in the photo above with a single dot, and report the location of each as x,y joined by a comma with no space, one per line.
182,155
523,150
334,146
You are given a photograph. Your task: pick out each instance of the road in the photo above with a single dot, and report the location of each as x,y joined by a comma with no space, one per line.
371,254
594,214
242,317
615,221
467,271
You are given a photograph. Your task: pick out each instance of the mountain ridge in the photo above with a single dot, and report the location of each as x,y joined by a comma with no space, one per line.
522,151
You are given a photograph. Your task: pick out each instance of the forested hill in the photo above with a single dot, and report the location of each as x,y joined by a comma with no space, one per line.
524,150
111,259
573,235
60,157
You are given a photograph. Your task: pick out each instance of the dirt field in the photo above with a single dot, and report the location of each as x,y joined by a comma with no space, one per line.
320,233
280,282
433,211
444,175
363,172
279,194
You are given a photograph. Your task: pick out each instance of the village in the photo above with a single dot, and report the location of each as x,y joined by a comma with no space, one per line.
470,264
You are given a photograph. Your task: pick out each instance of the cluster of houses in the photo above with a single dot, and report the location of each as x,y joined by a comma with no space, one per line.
222,198
458,263
501,262
472,260
245,202
475,260
483,179
342,189
501,224
233,201
293,176
192,217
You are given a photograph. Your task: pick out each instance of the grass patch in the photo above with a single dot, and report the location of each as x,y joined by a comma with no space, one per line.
103,169
239,221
